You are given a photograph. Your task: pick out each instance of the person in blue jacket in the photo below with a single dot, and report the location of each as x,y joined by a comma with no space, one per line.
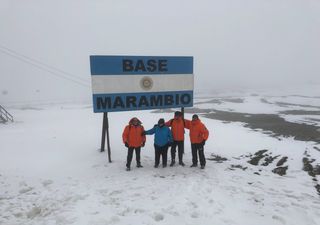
162,140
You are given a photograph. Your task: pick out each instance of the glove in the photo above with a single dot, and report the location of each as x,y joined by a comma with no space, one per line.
203,142
143,133
143,143
126,144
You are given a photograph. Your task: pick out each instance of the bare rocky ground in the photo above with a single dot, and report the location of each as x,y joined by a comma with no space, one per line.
265,158
273,125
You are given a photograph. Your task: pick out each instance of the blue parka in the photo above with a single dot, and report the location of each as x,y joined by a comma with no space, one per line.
162,135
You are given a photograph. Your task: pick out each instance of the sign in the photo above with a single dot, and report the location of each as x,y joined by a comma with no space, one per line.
125,83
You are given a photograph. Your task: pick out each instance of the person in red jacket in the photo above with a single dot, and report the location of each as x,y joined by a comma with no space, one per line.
133,139
177,125
198,136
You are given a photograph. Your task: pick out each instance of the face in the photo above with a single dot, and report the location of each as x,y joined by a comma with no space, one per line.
161,124
135,122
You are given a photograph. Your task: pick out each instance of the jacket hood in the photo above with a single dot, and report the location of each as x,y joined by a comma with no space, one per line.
131,121
196,121
178,118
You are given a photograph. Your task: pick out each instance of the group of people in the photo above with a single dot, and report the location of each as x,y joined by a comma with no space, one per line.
134,138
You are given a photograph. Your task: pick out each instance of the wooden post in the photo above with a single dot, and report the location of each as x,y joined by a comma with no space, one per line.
105,128
103,137
108,140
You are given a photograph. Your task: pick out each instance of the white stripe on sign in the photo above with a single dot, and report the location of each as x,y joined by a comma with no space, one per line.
141,83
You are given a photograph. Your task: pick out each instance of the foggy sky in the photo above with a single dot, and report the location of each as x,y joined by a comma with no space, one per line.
236,44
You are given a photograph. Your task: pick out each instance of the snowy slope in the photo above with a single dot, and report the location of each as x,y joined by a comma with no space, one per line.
51,172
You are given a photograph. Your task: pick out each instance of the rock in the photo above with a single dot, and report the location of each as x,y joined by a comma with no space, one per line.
316,170
318,188
282,161
306,153
280,170
307,166
239,167
260,152
217,158
316,148
269,160
257,157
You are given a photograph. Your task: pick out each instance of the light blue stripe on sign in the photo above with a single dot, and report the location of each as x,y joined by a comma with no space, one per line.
117,65
142,101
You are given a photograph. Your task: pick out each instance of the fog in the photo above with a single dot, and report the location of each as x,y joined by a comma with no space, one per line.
236,44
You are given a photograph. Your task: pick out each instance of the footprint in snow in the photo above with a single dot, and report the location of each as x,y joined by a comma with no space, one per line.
278,218
46,183
25,190
103,191
35,211
136,211
158,217
116,192
136,195
95,166
194,215
194,205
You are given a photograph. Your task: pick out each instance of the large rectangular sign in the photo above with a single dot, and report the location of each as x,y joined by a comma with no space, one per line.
124,83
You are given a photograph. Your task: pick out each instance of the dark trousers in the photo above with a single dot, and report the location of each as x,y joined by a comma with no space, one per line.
180,145
130,155
198,149
161,151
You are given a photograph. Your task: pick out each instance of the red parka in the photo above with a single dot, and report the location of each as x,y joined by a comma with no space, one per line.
177,128
132,135
198,131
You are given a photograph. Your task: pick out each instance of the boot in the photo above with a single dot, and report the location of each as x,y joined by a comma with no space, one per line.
139,165
128,169
172,163
202,167
181,163
194,165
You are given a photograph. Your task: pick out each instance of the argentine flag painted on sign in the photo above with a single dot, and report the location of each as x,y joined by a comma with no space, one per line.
123,83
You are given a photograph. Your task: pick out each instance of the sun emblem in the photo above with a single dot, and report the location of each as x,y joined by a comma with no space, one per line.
146,83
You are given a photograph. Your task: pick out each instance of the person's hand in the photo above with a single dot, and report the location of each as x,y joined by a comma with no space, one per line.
126,144
143,133
143,144
203,142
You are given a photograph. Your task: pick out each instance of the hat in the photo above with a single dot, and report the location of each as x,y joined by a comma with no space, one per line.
195,117
177,113
160,121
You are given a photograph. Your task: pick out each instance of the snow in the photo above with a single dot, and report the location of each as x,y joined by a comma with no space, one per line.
306,100
51,172
257,104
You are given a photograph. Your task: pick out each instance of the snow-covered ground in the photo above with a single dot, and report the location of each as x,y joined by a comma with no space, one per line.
51,172
297,105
